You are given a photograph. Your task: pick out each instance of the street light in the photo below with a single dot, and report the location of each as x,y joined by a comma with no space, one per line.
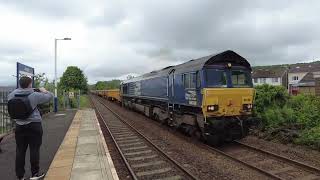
55,101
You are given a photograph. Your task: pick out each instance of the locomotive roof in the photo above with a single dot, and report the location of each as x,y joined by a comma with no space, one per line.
197,64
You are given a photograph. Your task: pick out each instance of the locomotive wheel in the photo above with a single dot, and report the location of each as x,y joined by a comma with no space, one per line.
198,135
214,140
156,117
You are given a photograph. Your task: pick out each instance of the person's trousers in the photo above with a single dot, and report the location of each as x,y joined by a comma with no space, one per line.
28,135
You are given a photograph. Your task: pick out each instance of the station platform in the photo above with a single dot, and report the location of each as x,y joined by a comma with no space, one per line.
83,154
54,127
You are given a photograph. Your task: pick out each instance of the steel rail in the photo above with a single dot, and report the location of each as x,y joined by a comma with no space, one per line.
151,143
285,159
133,175
204,146
242,162
306,167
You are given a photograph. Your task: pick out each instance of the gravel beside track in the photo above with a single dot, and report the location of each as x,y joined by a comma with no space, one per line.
275,165
202,162
143,160
299,153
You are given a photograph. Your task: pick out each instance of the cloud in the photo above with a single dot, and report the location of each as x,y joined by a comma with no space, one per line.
53,8
255,29
114,38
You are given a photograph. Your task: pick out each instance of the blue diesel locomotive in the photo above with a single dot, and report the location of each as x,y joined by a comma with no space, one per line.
210,97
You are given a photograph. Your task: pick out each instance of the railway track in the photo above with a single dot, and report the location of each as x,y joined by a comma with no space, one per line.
268,163
143,159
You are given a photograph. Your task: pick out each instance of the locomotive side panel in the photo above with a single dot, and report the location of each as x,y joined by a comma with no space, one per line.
155,87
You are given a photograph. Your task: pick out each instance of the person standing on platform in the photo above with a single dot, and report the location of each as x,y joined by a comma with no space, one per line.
22,108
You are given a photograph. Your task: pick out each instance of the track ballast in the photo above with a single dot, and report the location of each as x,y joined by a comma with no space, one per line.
143,159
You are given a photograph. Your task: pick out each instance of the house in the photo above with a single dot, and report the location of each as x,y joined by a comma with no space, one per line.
272,75
305,86
302,77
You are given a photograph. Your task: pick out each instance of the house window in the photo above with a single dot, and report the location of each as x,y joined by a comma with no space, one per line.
263,80
275,79
255,80
295,78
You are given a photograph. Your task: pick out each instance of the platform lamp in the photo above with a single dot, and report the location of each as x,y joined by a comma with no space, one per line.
55,101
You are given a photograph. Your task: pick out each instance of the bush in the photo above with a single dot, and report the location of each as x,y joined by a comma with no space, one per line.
267,96
310,137
274,117
277,110
84,101
307,110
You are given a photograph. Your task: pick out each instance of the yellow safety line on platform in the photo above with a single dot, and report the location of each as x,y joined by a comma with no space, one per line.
61,166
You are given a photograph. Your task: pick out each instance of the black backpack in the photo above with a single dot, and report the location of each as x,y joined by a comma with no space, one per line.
19,107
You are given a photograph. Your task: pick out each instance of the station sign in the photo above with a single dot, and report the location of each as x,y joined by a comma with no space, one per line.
24,70
71,94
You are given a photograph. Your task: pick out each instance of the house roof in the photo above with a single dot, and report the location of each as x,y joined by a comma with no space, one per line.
307,81
304,67
308,78
268,72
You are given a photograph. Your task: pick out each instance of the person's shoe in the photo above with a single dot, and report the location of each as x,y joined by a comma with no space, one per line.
22,178
37,176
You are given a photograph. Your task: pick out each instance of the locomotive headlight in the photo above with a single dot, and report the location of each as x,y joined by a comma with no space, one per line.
247,107
212,108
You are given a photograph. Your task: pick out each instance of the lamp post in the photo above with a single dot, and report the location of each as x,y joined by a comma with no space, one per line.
55,101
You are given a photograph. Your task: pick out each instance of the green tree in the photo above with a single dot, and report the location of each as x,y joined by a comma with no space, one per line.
113,84
73,78
101,85
40,79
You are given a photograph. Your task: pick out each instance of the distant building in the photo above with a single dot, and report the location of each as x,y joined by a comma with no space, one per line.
272,75
301,77
6,88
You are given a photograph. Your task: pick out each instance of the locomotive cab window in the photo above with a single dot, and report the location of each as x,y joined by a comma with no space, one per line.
241,78
189,80
216,78
198,79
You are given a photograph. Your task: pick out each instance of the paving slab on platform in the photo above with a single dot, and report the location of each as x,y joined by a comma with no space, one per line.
91,159
54,130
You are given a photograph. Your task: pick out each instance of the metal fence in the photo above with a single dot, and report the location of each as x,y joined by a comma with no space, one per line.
6,124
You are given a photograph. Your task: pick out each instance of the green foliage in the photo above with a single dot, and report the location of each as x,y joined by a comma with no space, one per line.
274,117
84,101
113,84
73,78
267,96
307,110
101,85
310,137
279,110
40,79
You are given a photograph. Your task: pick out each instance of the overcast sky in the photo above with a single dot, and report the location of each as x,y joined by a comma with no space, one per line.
113,38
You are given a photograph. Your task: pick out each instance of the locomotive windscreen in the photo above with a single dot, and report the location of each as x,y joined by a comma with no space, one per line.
241,78
216,78
220,77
